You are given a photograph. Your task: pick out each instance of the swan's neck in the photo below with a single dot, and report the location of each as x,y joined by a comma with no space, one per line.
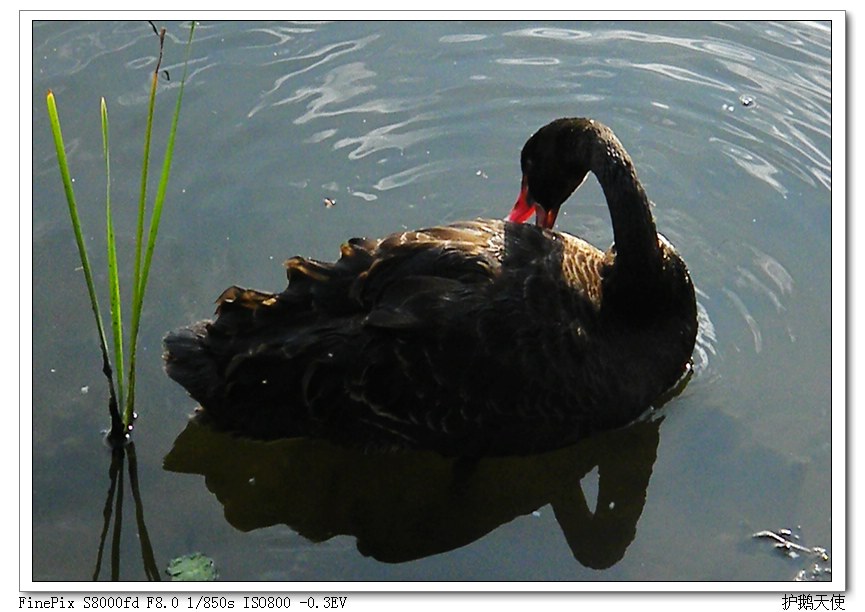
636,239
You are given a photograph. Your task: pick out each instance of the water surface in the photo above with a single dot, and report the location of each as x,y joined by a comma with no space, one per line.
410,124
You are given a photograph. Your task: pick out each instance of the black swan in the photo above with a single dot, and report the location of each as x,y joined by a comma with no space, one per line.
480,337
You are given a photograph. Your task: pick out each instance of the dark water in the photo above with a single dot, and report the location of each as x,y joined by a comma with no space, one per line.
411,124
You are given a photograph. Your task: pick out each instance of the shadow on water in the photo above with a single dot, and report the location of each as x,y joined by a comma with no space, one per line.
408,505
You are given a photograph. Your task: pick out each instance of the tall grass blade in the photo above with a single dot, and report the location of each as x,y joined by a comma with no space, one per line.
82,250
155,218
145,167
137,298
113,273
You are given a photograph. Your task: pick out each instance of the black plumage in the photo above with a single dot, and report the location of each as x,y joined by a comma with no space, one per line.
480,337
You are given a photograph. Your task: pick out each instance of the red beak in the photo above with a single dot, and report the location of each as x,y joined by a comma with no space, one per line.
546,218
525,206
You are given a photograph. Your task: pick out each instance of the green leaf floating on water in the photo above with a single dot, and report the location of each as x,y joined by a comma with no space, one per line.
192,568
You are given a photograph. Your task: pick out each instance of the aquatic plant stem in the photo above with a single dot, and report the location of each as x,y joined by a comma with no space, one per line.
156,215
113,273
82,253
122,396
137,292
145,166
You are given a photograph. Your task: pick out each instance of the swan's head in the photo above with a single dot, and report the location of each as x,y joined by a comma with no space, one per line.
554,162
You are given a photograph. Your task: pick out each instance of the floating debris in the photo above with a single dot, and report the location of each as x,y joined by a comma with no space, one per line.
814,574
782,543
747,101
329,202
819,569
192,568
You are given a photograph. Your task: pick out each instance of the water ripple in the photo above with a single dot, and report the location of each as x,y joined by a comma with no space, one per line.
387,137
713,46
747,280
749,319
321,136
761,279
706,336
410,175
754,164
74,49
528,61
141,95
789,76
308,61
552,33
282,33
682,74
774,270
461,38
342,84
792,86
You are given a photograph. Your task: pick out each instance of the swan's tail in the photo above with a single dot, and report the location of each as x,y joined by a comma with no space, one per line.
245,369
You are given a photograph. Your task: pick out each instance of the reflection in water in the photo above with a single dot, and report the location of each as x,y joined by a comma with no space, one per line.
752,163
775,271
405,177
73,50
706,337
281,32
528,61
307,62
408,505
461,38
746,279
749,319
387,137
113,509
682,74
340,85
552,33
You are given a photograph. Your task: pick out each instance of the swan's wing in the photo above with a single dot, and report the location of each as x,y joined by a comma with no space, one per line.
405,280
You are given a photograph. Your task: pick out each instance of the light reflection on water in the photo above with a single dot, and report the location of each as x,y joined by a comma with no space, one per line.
412,124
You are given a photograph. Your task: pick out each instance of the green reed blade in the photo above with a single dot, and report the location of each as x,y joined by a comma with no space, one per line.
137,294
113,273
79,238
142,200
155,218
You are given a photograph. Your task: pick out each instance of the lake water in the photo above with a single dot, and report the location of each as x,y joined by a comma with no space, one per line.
410,124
